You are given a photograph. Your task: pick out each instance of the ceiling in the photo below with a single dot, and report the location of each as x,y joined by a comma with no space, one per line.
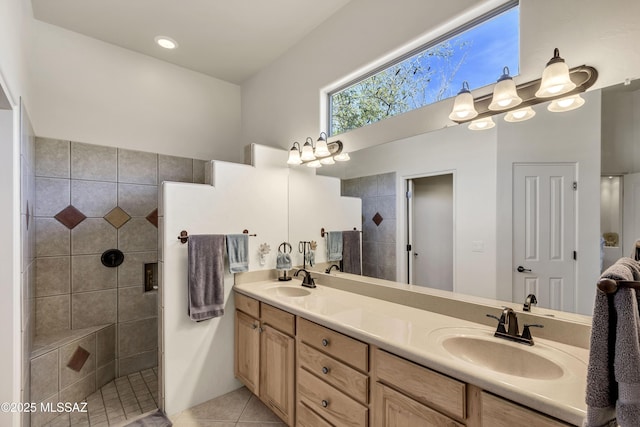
227,39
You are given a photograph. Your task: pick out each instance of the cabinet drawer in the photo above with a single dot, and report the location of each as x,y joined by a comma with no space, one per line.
333,405
342,347
422,384
341,376
305,417
278,319
497,412
248,305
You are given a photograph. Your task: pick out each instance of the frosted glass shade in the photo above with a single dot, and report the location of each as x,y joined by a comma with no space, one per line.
321,148
327,161
482,124
342,157
566,104
463,107
314,164
294,157
505,95
520,115
555,78
307,152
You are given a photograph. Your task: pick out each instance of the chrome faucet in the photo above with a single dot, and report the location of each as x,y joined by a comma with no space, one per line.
307,281
508,327
328,270
531,299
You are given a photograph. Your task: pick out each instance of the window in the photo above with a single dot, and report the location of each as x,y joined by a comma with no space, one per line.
476,53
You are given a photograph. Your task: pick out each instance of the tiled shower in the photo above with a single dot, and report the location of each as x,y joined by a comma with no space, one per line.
94,323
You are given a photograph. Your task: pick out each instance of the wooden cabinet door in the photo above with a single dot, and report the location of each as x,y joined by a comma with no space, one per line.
247,351
277,368
393,409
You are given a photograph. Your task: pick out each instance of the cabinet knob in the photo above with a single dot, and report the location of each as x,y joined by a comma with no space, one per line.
254,326
325,342
325,403
325,370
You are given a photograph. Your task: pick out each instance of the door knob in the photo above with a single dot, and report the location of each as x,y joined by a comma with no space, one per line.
521,269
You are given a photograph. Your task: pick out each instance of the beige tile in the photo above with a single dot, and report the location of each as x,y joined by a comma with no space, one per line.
93,236
61,420
138,235
105,346
93,308
198,171
171,168
257,411
41,418
93,198
44,376
79,390
387,184
105,373
52,238
137,167
135,304
67,375
53,276
52,314
52,158
127,365
224,408
93,162
131,271
137,337
138,200
52,196
88,274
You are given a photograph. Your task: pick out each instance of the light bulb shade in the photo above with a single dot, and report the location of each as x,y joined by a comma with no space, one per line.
555,78
566,104
505,94
342,157
314,164
482,124
520,115
327,161
294,156
307,152
463,107
321,149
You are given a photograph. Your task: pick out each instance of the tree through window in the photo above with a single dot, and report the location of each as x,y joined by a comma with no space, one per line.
476,53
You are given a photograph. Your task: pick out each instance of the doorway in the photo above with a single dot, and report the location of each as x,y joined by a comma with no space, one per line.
430,231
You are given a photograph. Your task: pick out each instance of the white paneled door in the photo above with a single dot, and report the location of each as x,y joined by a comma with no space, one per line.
544,234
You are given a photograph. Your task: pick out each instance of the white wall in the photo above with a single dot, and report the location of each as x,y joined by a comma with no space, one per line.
620,131
90,91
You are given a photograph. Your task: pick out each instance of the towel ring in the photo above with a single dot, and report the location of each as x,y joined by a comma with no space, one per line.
284,245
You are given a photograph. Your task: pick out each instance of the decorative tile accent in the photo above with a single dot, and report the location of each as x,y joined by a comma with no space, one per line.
117,217
377,218
153,218
70,217
78,359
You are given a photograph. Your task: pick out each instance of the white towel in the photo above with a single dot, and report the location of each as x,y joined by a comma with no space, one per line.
334,246
238,252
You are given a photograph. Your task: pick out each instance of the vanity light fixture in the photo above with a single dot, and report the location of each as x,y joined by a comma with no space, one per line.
328,160
321,146
166,42
463,108
519,115
294,154
314,164
342,157
505,94
566,104
307,151
323,153
482,124
555,78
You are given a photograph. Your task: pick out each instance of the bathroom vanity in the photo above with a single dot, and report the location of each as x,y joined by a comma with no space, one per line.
329,357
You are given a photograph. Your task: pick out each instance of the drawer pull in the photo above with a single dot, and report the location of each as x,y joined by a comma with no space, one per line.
254,326
325,370
325,342
325,403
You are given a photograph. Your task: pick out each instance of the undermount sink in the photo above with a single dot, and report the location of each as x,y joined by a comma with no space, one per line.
289,291
480,348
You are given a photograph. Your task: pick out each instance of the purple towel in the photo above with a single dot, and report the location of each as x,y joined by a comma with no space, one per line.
206,276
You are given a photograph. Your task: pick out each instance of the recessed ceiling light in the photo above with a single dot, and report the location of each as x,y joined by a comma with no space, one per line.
166,42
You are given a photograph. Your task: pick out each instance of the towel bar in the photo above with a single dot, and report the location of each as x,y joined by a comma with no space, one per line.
184,236
610,286
323,232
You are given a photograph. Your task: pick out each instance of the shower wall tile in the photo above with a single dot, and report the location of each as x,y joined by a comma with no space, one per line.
135,304
52,196
139,362
131,271
88,274
137,235
387,231
44,376
137,337
137,200
93,236
387,272
387,254
137,167
105,374
52,158
93,162
349,187
106,345
387,207
79,390
171,168
41,418
198,171
93,198
67,375
387,184
368,186
93,308
369,208
52,314
53,276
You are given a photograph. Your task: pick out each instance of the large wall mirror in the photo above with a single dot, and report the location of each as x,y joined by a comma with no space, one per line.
507,211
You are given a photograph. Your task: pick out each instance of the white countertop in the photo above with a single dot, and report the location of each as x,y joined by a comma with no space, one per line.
415,335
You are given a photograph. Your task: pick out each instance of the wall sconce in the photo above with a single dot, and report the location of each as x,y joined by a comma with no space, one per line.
563,90
323,153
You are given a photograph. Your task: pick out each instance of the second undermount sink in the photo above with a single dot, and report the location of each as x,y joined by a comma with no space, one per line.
481,349
289,291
